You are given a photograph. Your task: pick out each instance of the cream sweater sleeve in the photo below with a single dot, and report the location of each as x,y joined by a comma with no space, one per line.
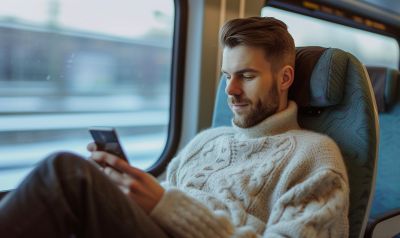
183,216
317,207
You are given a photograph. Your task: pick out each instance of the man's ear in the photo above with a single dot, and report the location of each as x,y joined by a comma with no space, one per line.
287,77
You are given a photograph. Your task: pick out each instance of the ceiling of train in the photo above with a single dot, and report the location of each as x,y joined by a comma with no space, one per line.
387,11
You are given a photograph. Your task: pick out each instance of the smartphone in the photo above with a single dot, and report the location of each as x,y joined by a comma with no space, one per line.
106,139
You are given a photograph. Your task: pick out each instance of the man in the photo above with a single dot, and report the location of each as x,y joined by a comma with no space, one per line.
262,177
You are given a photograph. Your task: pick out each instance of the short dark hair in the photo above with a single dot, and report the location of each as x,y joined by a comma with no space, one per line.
268,33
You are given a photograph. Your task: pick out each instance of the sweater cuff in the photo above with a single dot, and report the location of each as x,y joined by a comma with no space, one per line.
183,216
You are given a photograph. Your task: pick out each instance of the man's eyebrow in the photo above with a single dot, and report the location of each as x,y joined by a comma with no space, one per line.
242,71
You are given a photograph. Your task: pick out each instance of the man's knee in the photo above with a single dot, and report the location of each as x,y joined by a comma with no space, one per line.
64,159
64,163
65,170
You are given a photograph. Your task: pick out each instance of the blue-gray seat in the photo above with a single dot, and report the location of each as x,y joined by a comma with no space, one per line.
335,97
386,202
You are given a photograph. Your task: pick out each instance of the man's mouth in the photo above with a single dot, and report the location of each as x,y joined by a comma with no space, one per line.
239,104
237,107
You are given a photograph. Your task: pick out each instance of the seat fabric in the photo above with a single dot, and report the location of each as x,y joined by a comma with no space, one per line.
387,189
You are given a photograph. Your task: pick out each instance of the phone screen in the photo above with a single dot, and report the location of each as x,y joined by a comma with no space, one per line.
106,139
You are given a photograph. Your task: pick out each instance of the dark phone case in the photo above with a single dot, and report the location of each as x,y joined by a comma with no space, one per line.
106,139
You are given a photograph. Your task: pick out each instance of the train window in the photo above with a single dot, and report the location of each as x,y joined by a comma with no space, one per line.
66,65
370,48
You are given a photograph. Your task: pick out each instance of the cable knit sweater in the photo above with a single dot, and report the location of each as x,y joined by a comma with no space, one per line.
271,180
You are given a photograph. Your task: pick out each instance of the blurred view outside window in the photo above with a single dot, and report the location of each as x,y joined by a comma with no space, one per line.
369,48
66,65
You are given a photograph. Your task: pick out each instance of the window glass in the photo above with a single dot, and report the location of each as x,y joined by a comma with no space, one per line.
66,65
369,48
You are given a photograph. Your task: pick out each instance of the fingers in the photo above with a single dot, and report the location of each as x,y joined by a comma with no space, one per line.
96,164
123,166
103,157
91,147
118,164
146,193
122,180
125,182
139,186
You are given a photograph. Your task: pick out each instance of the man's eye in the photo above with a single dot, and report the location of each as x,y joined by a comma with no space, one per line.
248,77
227,77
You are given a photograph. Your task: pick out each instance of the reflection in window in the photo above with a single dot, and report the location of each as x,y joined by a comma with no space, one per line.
66,65
370,48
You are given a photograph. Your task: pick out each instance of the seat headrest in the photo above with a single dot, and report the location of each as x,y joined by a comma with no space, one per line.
384,82
319,76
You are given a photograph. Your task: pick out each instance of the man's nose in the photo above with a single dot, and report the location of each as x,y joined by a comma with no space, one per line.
233,87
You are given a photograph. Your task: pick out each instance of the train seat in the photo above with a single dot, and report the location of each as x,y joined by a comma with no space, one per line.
385,210
335,97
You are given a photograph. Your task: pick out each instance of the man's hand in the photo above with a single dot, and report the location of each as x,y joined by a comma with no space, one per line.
140,186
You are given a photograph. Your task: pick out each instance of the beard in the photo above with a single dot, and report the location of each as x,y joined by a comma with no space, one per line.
259,111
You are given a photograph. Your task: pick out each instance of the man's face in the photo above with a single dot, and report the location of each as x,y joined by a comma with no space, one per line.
252,90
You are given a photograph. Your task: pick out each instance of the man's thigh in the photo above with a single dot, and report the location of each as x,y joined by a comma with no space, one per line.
68,194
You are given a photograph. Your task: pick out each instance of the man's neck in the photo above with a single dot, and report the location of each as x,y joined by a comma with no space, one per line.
278,123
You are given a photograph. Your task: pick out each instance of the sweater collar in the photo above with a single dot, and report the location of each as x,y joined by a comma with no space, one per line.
276,124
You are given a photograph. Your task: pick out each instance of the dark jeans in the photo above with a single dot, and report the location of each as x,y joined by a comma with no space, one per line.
67,196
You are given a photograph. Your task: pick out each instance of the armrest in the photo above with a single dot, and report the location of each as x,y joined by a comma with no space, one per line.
386,225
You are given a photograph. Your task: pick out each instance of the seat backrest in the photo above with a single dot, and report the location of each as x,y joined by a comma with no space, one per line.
385,82
335,97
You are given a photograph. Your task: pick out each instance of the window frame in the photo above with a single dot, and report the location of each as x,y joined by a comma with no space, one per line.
177,86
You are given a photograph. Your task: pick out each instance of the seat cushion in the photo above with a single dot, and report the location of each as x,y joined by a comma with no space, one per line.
385,84
319,77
